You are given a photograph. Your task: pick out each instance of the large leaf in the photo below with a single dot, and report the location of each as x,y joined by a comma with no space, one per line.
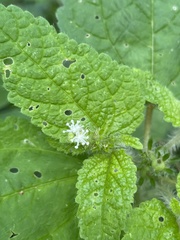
106,185
37,185
142,34
152,220
55,80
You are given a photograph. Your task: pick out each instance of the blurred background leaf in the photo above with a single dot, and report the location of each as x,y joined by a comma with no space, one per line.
42,8
3,96
141,34
37,185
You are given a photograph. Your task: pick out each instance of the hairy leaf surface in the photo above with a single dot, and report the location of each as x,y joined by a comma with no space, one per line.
55,80
37,185
142,34
106,185
167,103
152,220
175,202
178,185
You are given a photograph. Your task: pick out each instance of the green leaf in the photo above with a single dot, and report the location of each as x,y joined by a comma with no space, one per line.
167,103
152,220
3,96
55,80
175,202
37,185
175,206
106,185
178,185
11,110
159,128
141,34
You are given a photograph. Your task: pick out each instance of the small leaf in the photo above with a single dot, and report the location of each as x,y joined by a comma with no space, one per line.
166,156
37,185
150,144
178,185
130,141
167,103
152,220
175,202
175,207
106,185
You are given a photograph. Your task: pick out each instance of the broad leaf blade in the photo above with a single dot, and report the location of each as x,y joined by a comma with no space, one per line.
142,34
106,185
37,185
152,220
54,80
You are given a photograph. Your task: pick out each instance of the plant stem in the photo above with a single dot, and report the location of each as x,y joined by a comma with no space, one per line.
147,127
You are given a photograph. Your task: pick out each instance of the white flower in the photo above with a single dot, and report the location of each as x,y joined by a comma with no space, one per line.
79,134
80,138
74,128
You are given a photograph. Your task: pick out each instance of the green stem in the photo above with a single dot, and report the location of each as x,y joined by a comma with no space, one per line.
147,127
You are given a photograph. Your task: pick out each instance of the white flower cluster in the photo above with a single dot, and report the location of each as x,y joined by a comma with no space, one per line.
78,132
